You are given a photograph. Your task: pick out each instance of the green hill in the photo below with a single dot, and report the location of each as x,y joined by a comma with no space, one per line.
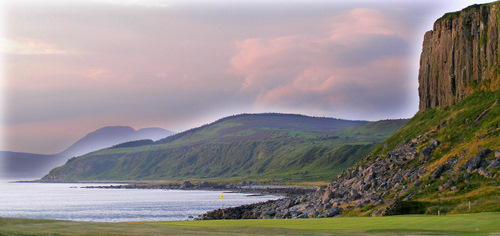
462,168
247,146
444,160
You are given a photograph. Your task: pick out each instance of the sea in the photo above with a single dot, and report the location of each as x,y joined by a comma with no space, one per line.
70,201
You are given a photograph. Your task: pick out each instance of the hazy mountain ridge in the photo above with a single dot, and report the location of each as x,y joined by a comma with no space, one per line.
15,165
112,135
31,165
270,146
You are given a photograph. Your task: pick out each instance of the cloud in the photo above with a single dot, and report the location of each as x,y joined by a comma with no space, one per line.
276,58
28,46
140,3
349,28
347,92
178,64
351,71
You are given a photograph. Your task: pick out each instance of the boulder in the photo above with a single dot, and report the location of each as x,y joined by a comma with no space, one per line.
268,214
484,152
438,171
338,193
186,185
493,164
425,154
472,163
354,194
327,195
289,203
320,191
357,185
484,172
332,212
301,216
313,214
434,143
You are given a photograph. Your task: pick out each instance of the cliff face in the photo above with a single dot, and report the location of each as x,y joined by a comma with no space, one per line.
440,159
462,49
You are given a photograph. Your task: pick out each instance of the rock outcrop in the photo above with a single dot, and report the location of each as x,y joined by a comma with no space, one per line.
387,181
437,159
461,50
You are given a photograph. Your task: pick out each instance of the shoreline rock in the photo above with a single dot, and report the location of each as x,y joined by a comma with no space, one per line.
209,186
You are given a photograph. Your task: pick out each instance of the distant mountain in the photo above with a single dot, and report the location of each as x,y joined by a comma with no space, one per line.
16,165
112,135
252,146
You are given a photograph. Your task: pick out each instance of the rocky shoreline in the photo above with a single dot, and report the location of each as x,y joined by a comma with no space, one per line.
388,183
244,187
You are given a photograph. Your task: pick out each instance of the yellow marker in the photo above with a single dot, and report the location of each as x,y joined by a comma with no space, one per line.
221,196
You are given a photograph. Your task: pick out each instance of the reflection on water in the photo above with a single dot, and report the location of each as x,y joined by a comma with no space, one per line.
71,202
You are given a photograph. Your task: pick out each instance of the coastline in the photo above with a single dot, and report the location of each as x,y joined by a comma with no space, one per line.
254,189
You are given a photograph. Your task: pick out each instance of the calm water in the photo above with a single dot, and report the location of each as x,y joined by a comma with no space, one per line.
70,202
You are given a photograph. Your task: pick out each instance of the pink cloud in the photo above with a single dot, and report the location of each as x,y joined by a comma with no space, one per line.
351,92
129,64
349,28
30,46
363,49
277,58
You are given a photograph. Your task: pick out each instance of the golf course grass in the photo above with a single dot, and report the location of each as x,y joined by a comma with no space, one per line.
480,223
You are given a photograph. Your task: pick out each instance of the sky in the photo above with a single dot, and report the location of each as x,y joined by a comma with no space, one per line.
71,67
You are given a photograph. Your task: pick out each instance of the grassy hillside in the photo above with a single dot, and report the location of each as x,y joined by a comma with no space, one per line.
480,224
463,131
260,146
248,127
462,127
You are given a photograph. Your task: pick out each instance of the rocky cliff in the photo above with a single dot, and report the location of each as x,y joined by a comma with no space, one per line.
441,161
460,51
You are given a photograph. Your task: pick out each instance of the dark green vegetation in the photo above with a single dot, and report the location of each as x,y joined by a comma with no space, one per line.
485,223
258,146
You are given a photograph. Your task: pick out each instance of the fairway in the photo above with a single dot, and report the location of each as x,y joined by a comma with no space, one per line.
482,224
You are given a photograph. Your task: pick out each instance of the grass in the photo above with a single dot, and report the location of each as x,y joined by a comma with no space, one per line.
482,223
462,130
459,134
239,149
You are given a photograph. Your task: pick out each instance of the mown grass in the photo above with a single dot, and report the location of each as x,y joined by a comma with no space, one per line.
483,223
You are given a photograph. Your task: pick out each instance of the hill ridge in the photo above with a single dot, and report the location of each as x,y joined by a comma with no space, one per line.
247,115
446,159
264,145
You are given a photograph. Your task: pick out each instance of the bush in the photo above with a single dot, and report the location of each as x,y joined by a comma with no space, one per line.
401,207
